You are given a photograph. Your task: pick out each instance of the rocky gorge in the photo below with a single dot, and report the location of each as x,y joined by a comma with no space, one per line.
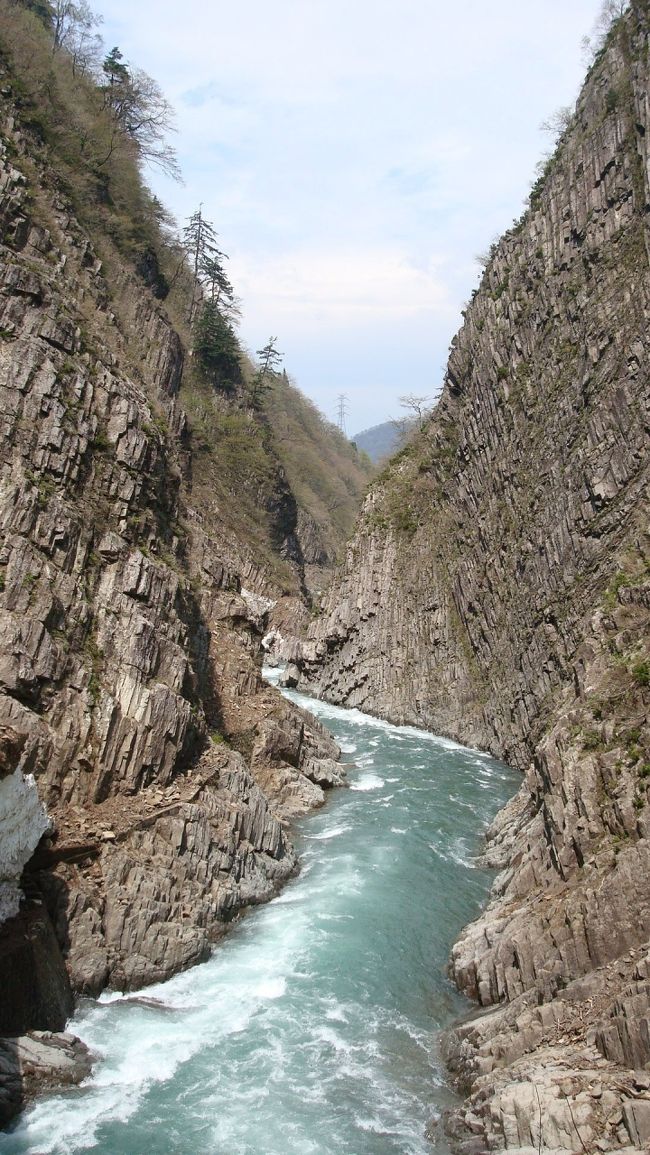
147,774
496,590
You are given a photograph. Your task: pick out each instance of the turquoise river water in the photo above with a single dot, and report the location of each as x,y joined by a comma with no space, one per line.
313,1028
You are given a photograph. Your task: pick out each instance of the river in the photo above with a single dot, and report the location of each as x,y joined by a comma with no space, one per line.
313,1028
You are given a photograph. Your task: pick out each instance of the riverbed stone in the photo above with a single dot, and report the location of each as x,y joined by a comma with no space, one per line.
38,1062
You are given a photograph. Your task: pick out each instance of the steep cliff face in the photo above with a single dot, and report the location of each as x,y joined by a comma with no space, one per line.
497,590
130,665
502,523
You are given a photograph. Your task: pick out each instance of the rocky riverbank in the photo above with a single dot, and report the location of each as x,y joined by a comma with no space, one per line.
147,773
36,1063
497,590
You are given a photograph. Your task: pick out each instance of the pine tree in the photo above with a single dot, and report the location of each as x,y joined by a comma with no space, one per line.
115,70
200,244
268,368
216,348
216,282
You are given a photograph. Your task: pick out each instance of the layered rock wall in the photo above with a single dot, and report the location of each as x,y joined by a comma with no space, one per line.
23,822
503,523
497,590
130,665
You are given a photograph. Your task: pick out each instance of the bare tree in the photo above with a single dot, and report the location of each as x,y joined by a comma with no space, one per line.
74,28
483,258
558,122
610,12
418,407
140,111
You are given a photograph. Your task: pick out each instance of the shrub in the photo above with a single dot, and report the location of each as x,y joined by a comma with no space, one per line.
591,740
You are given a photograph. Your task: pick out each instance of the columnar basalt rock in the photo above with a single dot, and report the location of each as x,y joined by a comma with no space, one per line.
130,664
141,891
497,591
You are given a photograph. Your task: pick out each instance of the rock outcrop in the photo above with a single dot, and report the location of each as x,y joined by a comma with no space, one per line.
497,590
23,821
38,1062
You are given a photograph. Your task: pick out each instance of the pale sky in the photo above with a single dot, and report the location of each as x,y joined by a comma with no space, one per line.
354,158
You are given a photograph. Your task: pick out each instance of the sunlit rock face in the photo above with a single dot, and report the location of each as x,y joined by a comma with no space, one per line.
130,661
497,590
23,821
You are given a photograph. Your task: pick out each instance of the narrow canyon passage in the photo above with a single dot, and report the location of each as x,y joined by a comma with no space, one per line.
313,1029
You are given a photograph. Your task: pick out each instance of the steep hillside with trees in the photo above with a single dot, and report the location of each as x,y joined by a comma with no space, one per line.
147,524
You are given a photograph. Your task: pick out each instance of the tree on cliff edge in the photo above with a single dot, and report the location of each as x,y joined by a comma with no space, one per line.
216,348
199,240
268,368
140,112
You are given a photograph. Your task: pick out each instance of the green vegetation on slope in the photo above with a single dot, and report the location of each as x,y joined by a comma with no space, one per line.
324,469
260,452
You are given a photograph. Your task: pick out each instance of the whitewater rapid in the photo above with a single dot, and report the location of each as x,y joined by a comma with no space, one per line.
313,1029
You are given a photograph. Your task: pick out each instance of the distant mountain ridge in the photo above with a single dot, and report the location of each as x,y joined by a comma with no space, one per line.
380,441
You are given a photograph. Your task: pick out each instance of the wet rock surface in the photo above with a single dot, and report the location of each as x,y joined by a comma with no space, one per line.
496,591
38,1062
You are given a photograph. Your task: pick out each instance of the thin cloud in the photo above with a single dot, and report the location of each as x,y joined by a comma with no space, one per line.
336,146
345,286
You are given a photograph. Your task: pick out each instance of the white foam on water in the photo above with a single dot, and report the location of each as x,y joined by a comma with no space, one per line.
107,997
356,717
336,1013
463,803
367,782
374,1126
365,760
287,898
292,1040
271,988
333,1039
330,832
456,852
146,1055
459,853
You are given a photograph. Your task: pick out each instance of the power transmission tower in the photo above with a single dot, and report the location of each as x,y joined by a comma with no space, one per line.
342,411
